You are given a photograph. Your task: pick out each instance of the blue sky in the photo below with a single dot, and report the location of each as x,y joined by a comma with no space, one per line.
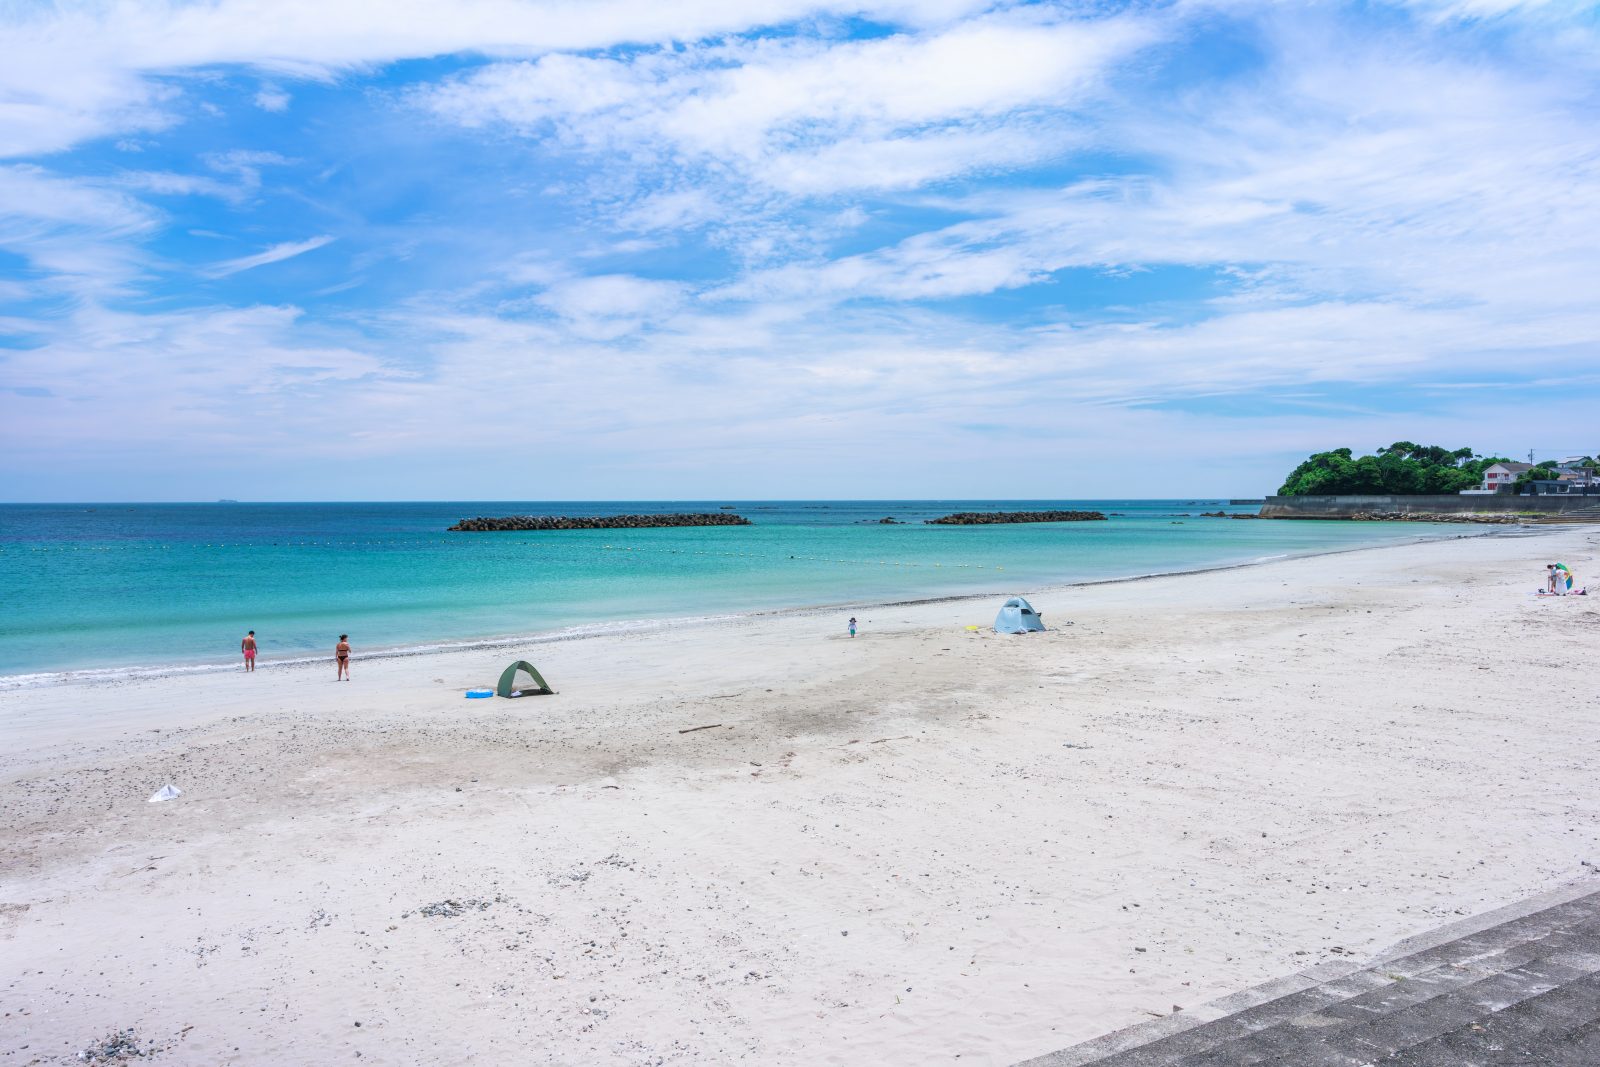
501,249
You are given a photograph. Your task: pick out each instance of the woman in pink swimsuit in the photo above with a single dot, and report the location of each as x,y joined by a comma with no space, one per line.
248,647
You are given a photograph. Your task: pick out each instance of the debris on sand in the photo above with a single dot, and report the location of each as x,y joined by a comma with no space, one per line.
449,909
117,1047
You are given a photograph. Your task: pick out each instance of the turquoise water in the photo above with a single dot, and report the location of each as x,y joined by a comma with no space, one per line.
154,585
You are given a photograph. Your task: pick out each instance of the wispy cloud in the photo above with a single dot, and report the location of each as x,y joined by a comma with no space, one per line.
809,116
79,72
276,254
271,98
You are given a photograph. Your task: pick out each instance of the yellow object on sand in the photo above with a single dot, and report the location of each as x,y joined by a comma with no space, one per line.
974,629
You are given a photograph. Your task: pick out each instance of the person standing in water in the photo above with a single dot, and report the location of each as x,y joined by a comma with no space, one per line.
248,647
852,626
341,652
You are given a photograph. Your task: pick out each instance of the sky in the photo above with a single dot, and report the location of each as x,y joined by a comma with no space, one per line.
621,249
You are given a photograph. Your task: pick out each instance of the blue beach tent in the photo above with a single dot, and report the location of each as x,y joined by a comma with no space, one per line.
1017,617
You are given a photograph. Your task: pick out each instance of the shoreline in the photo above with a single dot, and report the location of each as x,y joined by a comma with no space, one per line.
767,840
110,676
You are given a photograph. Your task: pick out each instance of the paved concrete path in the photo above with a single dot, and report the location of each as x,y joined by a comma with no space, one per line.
1516,986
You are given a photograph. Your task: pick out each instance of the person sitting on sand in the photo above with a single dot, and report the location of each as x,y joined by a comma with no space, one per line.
248,647
341,652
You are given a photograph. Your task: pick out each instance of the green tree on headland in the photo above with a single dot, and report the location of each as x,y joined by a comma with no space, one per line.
1403,469
1537,474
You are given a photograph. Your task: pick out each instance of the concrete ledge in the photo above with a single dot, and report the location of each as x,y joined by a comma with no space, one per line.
1569,903
1496,507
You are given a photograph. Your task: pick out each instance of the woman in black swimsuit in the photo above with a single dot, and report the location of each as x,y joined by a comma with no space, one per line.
341,652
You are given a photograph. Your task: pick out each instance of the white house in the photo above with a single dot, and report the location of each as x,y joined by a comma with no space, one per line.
1502,474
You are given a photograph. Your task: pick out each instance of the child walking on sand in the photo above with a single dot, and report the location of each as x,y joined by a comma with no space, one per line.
341,652
852,626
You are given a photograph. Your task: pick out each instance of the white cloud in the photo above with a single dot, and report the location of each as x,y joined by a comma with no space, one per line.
235,379
808,116
276,254
272,98
604,307
1370,171
166,183
1486,9
74,72
242,166
75,234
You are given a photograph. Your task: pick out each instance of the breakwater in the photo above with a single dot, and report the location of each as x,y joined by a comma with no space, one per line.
987,518
597,522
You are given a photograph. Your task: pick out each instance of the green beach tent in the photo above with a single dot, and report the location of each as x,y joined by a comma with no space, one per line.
508,681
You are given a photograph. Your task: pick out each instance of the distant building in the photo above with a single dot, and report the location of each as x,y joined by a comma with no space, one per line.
1560,487
1498,476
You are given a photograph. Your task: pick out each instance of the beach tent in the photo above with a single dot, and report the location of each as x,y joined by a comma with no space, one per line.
1017,617
508,681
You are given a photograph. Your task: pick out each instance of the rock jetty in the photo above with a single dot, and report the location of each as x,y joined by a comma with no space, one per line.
1413,516
984,518
597,522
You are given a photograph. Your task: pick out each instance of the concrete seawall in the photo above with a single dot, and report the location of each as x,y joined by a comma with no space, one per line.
1496,508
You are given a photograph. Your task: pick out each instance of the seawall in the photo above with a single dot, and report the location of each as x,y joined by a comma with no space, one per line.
1486,508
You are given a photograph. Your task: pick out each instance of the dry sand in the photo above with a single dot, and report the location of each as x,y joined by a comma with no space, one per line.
914,846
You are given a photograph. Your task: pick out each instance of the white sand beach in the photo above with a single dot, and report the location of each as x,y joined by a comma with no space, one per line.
917,846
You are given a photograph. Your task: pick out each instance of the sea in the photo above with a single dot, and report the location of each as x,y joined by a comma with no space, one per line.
116,590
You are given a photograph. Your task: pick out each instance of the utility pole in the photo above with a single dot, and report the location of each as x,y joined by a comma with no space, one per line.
1530,457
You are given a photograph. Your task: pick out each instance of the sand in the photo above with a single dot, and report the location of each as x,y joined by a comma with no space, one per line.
919,845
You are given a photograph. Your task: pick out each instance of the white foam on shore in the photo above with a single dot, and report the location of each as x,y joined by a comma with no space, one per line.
113,675
581,631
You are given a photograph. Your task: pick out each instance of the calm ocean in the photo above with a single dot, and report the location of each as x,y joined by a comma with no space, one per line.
116,586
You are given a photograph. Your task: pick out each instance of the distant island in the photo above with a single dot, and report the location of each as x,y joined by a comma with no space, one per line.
596,522
985,518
